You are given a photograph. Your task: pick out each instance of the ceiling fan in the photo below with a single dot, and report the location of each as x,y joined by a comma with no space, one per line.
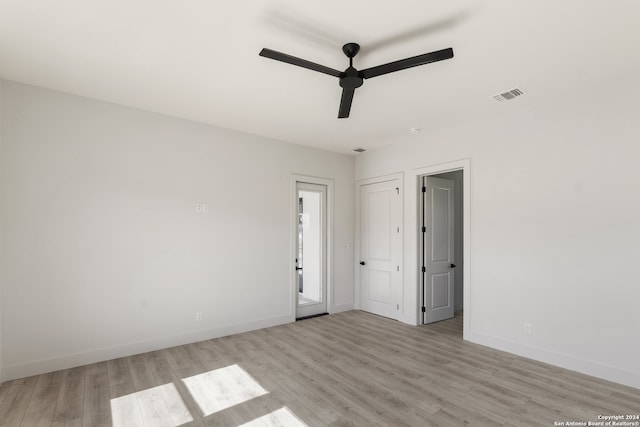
350,79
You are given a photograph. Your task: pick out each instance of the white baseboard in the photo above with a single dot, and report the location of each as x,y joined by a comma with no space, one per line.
409,319
107,353
342,307
584,366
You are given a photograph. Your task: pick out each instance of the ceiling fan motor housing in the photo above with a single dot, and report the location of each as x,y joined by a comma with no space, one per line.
351,79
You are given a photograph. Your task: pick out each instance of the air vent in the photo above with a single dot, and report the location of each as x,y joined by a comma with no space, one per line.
359,150
508,96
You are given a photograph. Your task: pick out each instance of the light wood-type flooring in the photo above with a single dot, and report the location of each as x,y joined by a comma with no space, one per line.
351,368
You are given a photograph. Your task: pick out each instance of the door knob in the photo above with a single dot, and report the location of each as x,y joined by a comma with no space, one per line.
362,263
298,268
453,266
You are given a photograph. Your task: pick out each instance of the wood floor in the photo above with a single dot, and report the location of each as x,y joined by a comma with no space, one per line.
351,368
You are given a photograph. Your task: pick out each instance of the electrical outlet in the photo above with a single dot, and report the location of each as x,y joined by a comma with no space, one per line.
528,329
198,316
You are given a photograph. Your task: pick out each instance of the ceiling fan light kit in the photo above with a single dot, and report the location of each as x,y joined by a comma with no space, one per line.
351,78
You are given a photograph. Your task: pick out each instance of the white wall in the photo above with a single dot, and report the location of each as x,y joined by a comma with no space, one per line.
103,254
555,224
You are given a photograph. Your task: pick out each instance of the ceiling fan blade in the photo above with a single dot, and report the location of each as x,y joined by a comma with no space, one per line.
402,64
279,56
345,102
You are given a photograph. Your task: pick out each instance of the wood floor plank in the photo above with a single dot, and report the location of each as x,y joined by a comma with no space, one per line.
97,396
627,398
141,375
69,406
120,381
15,403
348,369
180,364
4,391
161,369
42,405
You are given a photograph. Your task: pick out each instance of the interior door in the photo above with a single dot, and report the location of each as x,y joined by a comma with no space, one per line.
438,249
381,248
311,256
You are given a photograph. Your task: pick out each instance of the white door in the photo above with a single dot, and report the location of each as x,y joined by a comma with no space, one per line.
438,249
381,248
311,238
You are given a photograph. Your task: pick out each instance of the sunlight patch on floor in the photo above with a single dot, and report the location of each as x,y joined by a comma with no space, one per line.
223,388
281,417
159,406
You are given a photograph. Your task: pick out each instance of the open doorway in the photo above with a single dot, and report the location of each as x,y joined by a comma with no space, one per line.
311,246
441,240
311,249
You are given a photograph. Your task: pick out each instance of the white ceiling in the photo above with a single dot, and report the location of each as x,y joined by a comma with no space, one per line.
199,59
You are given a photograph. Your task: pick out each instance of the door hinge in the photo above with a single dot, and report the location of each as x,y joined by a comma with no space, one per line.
397,229
397,268
424,269
424,189
397,190
424,229
424,309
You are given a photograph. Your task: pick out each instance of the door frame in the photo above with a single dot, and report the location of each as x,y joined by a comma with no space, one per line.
465,166
293,243
375,180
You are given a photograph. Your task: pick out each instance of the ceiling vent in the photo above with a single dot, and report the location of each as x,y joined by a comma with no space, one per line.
508,96
359,150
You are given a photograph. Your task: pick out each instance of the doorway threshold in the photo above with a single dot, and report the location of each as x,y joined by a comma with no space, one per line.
311,317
